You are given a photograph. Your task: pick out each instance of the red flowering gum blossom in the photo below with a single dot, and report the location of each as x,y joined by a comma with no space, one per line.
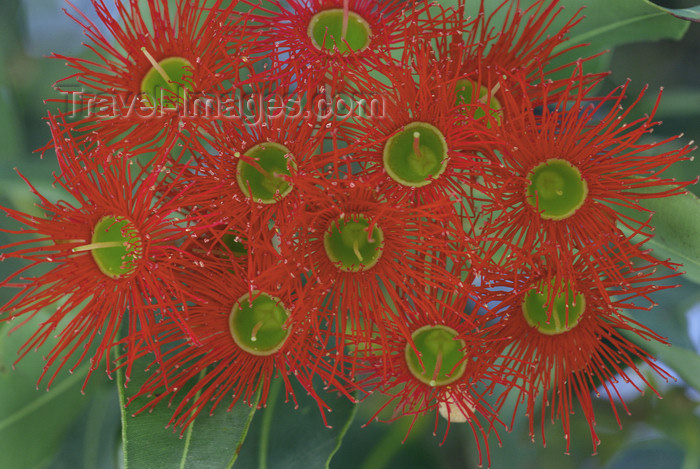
250,330
311,39
442,366
108,248
574,342
152,70
483,53
260,155
362,250
418,148
573,177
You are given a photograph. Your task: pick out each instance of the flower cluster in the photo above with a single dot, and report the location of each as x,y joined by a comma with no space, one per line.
469,225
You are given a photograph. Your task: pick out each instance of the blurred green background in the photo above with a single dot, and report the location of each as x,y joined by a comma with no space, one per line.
65,429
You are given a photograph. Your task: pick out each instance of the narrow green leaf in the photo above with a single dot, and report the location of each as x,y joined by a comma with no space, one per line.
209,442
100,430
684,362
607,24
92,439
26,441
689,14
11,46
676,223
648,454
289,438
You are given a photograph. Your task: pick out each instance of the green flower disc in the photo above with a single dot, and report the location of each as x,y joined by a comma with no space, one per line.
347,244
408,168
116,246
442,355
328,24
537,314
465,95
267,186
557,189
258,326
176,68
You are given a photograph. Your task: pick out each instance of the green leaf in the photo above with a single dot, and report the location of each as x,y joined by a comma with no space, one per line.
648,454
209,442
33,422
684,362
607,24
93,437
289,438
689,14
669,317
676,226
11,48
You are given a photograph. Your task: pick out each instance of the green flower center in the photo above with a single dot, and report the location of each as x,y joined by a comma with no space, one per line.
466,94
441,354
258,326
565,315
349,245
164,84
328,30
265,182
115,246
416,155
556,189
